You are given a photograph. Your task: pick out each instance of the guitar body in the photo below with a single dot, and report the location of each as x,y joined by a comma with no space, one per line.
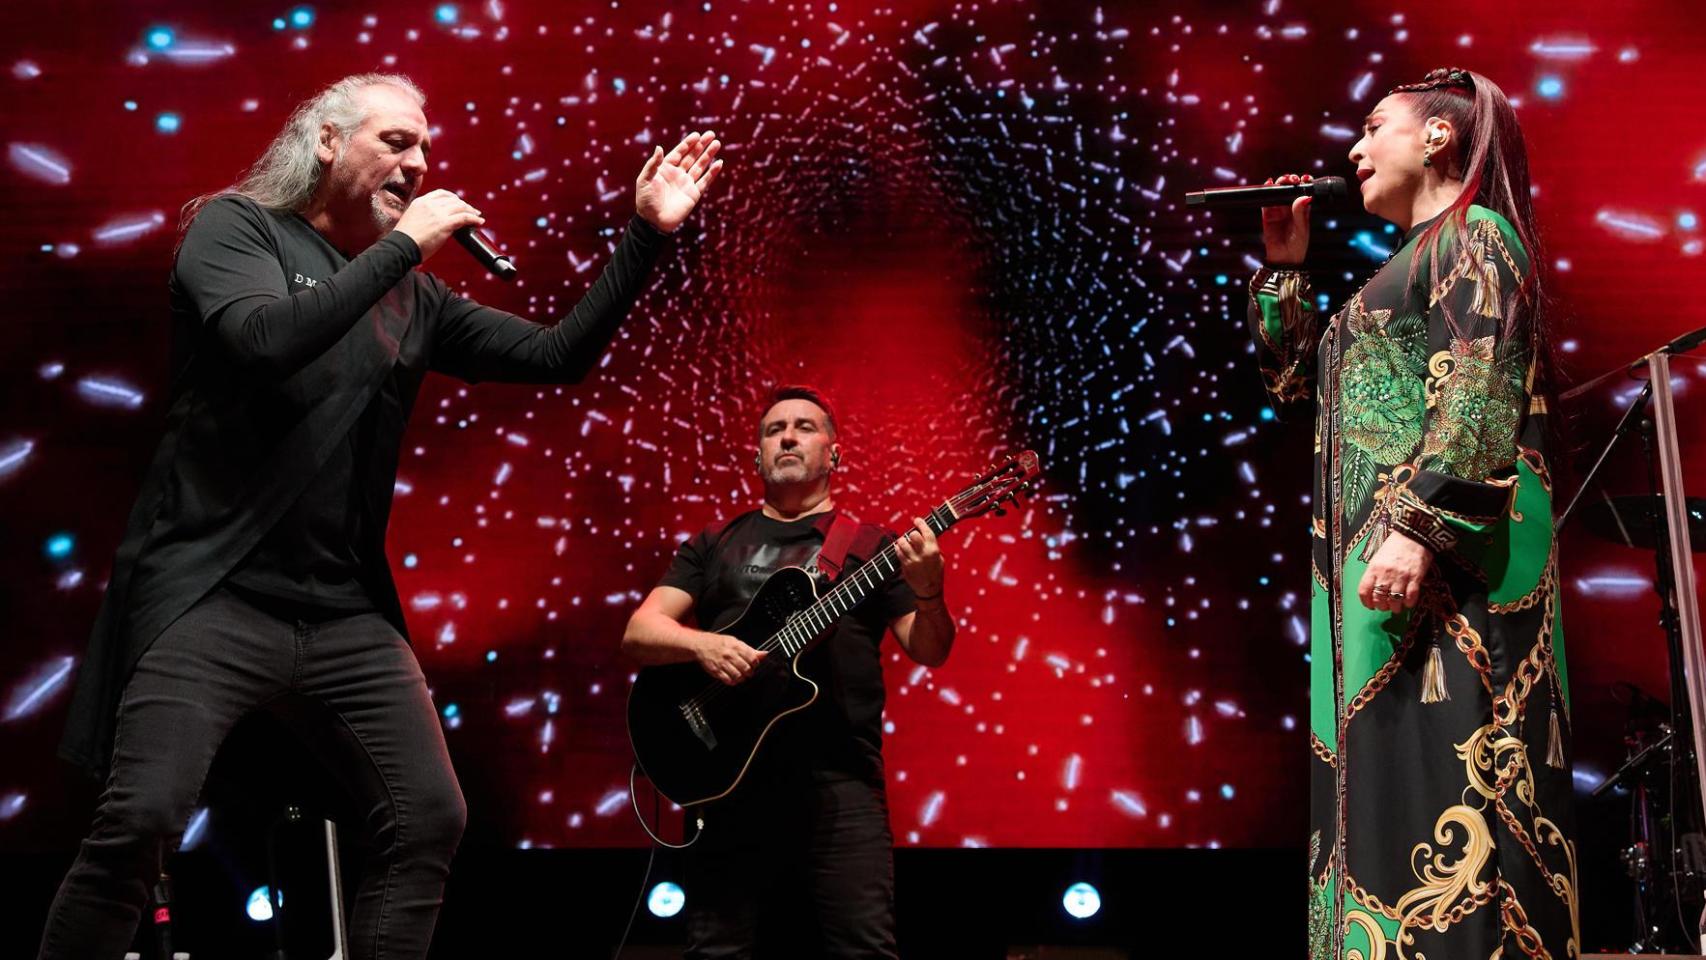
693,736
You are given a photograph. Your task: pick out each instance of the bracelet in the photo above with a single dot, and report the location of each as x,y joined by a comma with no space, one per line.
1410,516
933,596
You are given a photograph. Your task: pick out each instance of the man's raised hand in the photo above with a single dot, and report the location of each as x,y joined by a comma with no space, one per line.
671,185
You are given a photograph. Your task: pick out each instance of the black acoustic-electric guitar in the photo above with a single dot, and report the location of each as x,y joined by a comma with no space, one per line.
694,737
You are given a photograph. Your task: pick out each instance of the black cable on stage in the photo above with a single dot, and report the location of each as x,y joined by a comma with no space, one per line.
632,914
657,841
634,801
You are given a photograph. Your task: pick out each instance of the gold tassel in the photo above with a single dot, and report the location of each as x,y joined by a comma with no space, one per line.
1555,743
1376,536
1433,677
1487,300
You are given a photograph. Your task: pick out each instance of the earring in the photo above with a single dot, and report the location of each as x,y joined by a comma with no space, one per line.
1428,157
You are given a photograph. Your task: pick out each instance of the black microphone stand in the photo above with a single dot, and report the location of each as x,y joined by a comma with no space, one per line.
1679,755
161,894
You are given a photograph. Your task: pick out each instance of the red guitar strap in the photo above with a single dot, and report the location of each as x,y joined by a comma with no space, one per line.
836,543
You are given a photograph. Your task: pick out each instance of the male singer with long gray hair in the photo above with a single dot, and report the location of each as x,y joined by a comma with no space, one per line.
252,571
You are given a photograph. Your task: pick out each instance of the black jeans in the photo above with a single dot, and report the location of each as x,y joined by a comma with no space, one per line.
804,869
222,659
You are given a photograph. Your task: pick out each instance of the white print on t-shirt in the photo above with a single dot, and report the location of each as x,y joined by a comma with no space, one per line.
309,281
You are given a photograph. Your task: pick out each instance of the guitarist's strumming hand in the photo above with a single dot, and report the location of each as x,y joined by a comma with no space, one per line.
726,658
921,563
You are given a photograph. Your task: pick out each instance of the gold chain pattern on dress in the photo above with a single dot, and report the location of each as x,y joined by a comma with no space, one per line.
1464,908
1510,707
1450,917
1388,669
1469,642
1541,591
1516,921
1517,830
1321,750
1483,234
1368,901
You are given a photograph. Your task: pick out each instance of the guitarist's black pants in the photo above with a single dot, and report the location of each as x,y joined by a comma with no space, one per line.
801,868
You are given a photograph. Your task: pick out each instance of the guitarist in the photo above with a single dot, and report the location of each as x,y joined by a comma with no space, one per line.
810,819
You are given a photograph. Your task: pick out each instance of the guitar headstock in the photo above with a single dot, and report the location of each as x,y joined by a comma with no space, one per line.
997,486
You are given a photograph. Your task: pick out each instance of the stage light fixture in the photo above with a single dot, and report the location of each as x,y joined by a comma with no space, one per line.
59,546
1082,901
666,900
259,906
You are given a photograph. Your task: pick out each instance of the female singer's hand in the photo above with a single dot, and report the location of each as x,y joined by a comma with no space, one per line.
1393,580
1286,232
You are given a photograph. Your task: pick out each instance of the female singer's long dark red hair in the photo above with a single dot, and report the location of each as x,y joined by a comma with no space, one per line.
1490,153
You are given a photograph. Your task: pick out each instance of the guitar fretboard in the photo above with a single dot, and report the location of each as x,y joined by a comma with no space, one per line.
849,592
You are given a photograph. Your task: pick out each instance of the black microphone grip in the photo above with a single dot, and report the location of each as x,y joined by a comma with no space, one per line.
1325,189
482,250
1686,342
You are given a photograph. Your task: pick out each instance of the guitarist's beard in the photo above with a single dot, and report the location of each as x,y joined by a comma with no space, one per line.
793,472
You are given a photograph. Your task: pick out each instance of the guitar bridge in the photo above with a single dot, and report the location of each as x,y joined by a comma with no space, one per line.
701,729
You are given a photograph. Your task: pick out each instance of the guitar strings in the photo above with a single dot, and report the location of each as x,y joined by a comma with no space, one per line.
792,634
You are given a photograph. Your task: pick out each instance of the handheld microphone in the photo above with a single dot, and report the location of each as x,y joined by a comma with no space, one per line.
482,250
1686,342
1329,189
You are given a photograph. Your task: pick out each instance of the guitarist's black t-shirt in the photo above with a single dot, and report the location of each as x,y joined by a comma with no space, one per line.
721,567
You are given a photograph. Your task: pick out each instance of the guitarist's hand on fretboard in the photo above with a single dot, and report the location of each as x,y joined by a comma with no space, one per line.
921,562
726,658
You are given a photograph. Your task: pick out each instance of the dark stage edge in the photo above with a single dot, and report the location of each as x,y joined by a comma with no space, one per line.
960,904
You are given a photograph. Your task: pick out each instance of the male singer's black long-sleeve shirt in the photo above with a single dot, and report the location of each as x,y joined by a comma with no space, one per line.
280,455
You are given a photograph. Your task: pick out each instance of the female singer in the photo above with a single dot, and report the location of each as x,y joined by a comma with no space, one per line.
1440,799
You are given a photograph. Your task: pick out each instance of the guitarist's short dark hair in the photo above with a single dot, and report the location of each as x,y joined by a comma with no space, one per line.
800,391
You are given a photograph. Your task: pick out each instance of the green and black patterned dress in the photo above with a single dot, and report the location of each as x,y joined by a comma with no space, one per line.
1440,794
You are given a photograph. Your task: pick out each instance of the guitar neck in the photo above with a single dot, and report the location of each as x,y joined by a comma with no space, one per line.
850,591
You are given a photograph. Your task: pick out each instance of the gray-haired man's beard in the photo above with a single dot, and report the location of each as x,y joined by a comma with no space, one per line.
383,216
